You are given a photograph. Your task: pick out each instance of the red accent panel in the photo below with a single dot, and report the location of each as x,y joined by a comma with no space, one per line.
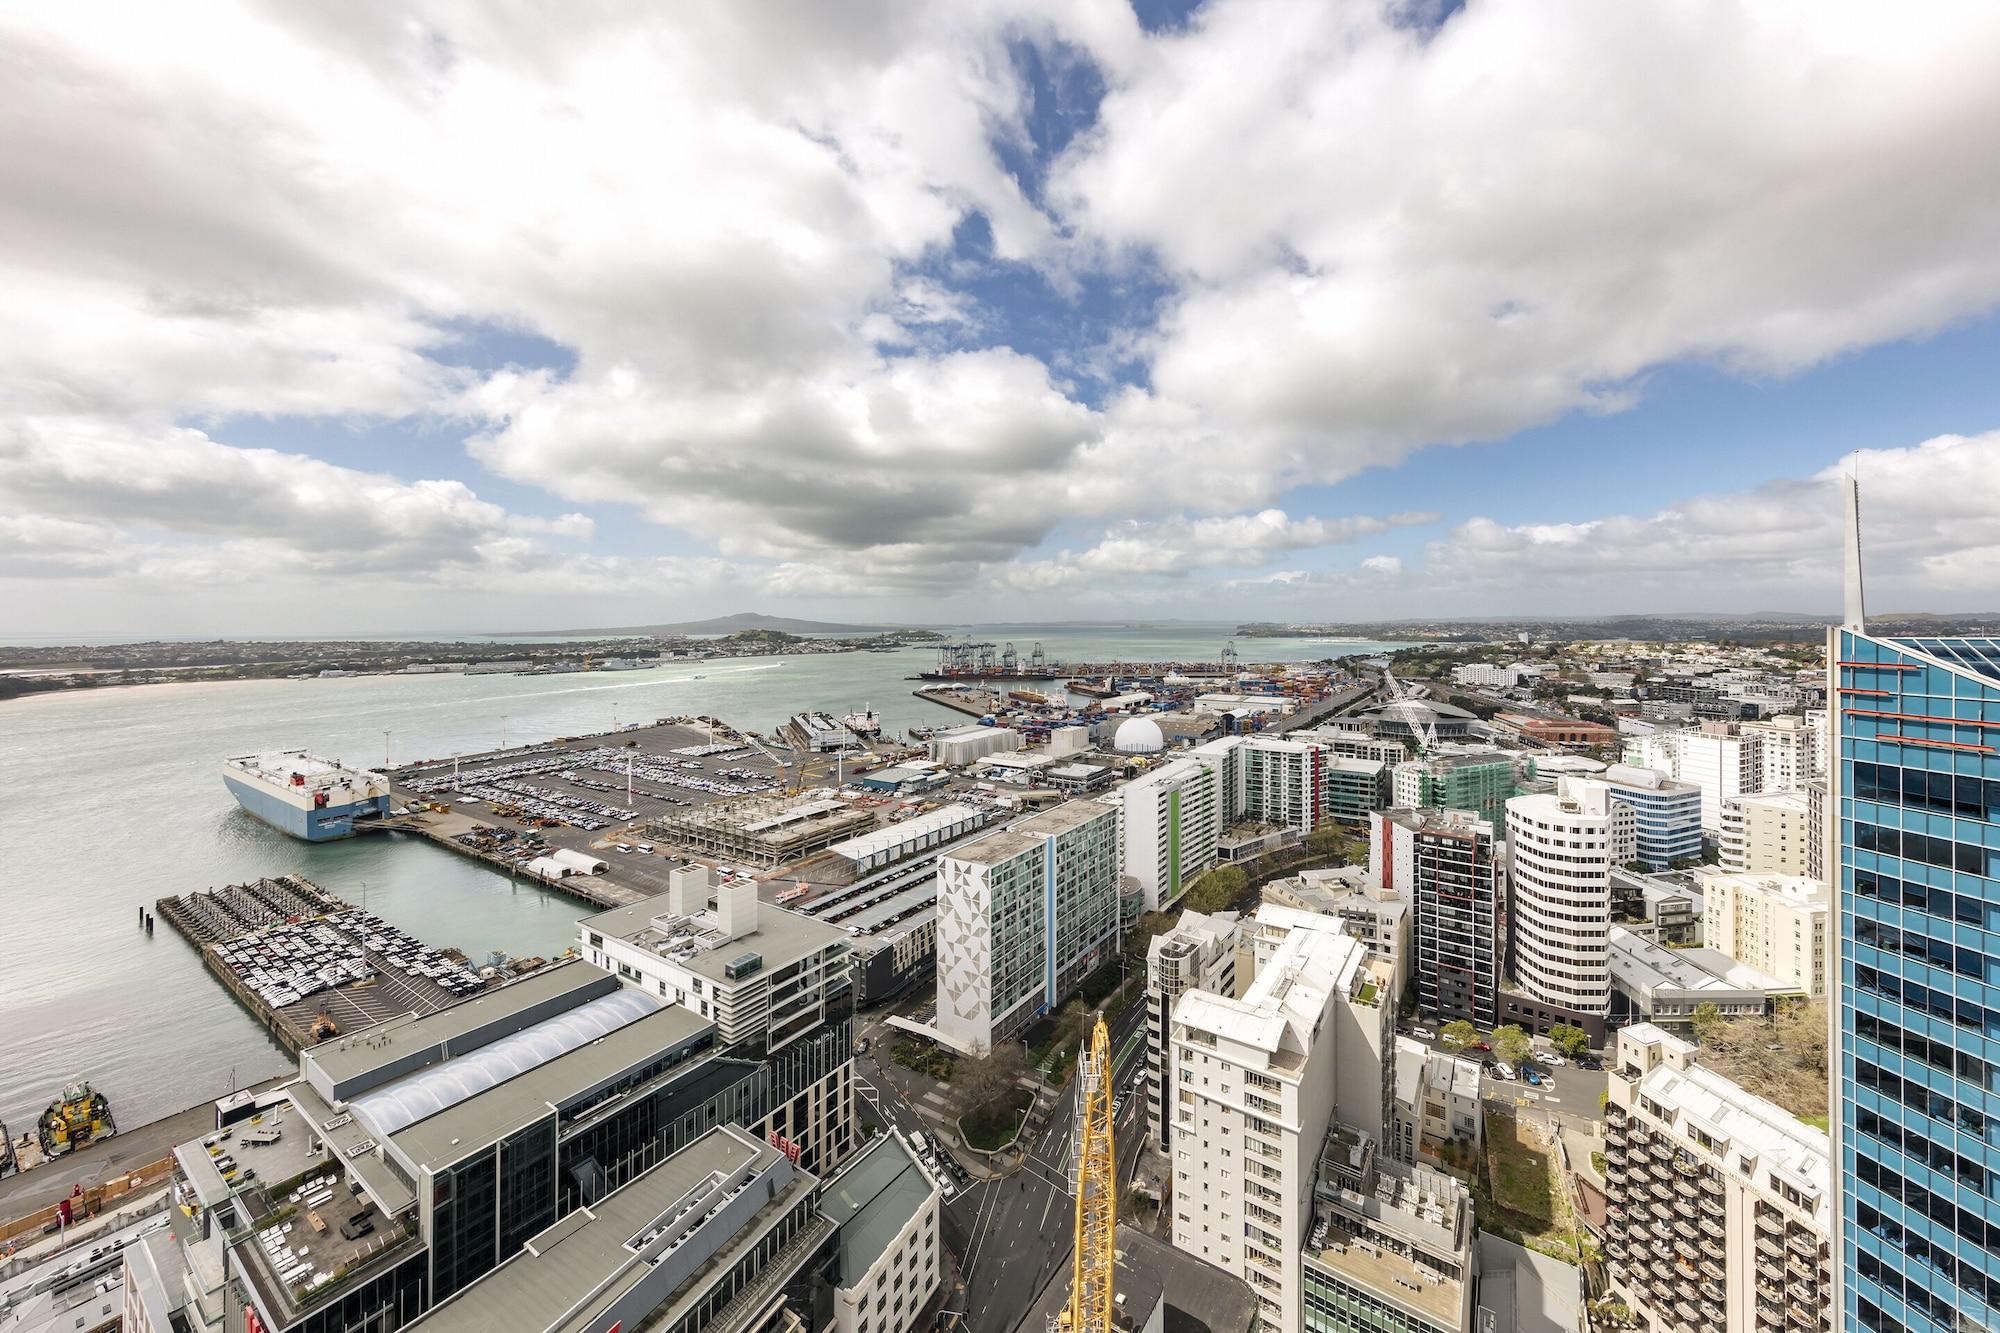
1935,745
1882,666
1849,689
1921,717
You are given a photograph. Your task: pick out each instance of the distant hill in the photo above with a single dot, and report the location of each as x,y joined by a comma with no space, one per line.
732,624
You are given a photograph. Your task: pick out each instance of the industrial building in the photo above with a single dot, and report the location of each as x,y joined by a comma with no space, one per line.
1024,915
763,830
882,846
964,745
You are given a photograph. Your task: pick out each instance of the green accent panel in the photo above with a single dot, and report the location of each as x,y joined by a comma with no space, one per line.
1173,844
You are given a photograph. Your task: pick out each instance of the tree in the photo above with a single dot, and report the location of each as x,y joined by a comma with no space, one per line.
1329,840
1707,1022
1216,889
986,1084
1569,1040
1510,1044
1458,1034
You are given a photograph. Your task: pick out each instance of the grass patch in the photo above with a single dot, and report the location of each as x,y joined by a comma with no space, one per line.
1520,1194
1819,1122
995,1127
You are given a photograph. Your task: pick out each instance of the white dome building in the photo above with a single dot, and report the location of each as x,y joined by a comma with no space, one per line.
1139,735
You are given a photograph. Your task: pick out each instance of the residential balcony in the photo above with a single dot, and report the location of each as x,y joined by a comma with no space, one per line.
1770,1268
1687,1250
1770,1249
1712,1184
1711,1267
1803,1242
1712,1314
1712,1229
1685,1188
1770,1223
1711,1207
1714,1293
1686,1230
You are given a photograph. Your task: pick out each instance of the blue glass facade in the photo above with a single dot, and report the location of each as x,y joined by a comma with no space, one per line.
1669,822
1918,1020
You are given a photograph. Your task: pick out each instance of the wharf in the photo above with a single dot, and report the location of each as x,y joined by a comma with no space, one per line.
215,920
973,703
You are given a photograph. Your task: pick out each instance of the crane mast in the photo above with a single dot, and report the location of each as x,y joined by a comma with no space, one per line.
1407,705
1090,1297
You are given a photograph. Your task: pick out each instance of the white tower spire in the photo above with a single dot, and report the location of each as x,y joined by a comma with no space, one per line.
1856,614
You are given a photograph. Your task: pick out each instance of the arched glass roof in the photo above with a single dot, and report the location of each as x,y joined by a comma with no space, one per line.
402,1104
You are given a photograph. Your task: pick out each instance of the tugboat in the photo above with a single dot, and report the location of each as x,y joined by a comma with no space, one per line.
78,1117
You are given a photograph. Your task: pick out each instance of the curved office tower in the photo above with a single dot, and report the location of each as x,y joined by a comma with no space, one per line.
1560,849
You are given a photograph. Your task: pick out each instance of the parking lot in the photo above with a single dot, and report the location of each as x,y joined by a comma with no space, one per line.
1565,1089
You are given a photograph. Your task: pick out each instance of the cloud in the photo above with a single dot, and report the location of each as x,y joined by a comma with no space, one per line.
770,237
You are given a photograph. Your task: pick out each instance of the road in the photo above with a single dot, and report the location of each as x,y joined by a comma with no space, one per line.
1012,1234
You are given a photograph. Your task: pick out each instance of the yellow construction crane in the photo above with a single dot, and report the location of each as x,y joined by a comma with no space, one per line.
1090,1295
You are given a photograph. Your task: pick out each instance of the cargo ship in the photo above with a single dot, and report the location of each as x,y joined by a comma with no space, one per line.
864,723
313,799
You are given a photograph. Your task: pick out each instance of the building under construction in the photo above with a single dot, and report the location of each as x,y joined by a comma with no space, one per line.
763,830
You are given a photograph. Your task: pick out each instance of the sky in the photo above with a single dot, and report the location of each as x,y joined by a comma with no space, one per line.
487,316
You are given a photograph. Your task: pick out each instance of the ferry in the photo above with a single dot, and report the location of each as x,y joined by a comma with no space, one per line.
311,798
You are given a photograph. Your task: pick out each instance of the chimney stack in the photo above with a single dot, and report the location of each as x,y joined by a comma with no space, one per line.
687,890
737,906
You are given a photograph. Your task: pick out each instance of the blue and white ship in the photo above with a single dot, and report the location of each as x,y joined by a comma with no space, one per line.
300,793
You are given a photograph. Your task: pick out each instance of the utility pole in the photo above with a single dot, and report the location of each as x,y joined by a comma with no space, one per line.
628,779
388,759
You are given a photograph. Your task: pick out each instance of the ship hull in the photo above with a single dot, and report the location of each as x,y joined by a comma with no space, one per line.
303,822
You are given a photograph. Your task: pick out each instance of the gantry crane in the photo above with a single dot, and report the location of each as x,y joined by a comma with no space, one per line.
1090,1295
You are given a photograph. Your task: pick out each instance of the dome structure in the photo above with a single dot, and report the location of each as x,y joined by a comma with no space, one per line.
1139,735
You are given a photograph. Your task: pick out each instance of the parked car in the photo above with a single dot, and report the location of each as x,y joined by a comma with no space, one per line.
1480,1046
1423,1034
1503,1071
1534,1080
1551,1059
1589,1062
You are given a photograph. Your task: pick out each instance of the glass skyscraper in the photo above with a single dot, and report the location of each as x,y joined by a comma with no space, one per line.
1916,1065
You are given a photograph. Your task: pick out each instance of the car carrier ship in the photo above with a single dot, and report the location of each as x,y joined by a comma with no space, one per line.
296,792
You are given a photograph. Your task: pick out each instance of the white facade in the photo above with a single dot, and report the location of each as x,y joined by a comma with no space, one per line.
1170,820
1720,1200
1767,834
1561,847
1256,1083
963,745
1776,923
885,1287
1792,749
1024,915
1721,763
1199,953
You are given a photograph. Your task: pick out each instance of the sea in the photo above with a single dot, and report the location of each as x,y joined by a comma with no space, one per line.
112,798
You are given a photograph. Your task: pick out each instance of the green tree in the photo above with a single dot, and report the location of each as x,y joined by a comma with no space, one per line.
1458,1034
1569,1040
1707,1022
1216,889
1510,1044
1329,840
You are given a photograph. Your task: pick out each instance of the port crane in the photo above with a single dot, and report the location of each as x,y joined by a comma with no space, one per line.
1095,1265
1406,705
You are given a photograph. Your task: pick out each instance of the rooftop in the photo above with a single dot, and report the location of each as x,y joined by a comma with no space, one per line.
1199,1297
873,1198
1644,964
409,1042
1749,1125
488,1116
570,1275
699,944
891,836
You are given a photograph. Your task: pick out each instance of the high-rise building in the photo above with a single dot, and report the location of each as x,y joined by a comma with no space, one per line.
1719,1200
1379,917
1351,789
1561,847
1767,834
1481,781
1777,924
1024,915
1171,819
1667,813
1716,757
1199,953
1393,1248
1791,749
1916,796
1447,865
1258,1083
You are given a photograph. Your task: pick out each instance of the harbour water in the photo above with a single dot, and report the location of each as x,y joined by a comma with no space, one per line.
112,798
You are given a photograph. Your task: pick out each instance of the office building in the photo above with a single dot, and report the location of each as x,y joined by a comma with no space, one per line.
1482,782
1199,953
1716,758
1257,1084
1024,915
1665,907
1914,798
889,1265
411,1159
1719,1201
1776,923
1448,866
1768,834
775,983
1171,819
1337,740
1652,983
1351,789
1667,814
725,1235
1561,848
1392,1248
